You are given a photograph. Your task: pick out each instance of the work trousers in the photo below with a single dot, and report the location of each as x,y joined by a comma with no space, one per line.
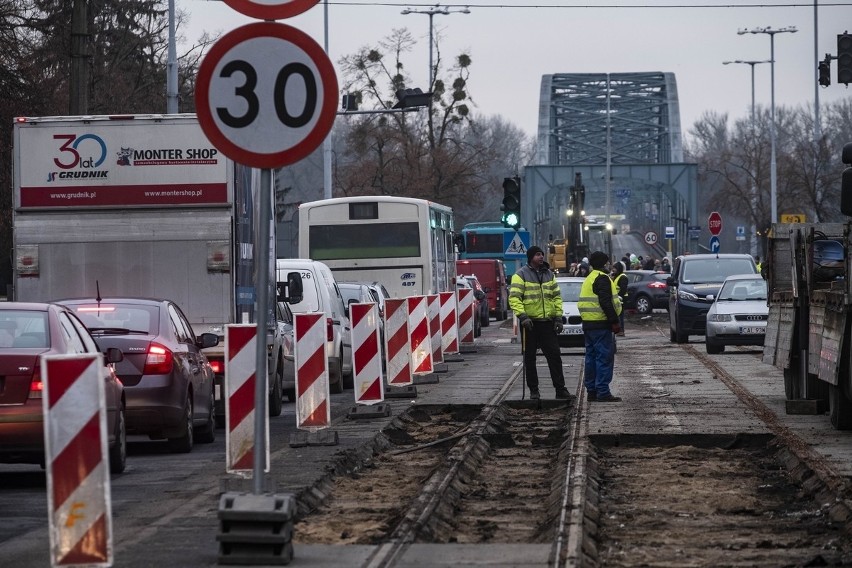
542,336
600,358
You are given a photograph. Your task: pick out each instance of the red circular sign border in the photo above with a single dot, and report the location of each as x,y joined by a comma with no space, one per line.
328,110
714,214
275,12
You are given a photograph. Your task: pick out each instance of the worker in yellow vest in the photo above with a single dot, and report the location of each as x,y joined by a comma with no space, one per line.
535,299
599,306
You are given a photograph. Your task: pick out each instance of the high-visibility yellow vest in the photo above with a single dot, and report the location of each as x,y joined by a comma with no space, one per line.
588,304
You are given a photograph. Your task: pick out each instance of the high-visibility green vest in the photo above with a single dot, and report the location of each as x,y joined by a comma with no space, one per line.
588,304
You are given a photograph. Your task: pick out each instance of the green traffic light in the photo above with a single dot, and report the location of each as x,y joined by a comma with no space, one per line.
511,220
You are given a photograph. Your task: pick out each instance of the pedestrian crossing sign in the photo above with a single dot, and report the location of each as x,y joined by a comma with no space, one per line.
516,243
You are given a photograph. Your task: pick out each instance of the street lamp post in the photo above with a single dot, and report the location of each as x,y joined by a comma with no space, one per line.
431,12
773,179
753,245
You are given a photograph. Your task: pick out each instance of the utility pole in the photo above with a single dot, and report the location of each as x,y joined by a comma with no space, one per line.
79,96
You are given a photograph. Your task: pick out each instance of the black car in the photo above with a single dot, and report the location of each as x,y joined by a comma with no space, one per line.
168,382
646,291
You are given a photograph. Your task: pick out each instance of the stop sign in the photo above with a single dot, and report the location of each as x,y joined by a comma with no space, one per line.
714,223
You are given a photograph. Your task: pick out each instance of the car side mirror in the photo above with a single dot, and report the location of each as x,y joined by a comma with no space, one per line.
479,295
291,291
113,355
206,340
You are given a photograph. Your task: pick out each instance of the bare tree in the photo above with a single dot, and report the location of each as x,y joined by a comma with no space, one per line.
443,153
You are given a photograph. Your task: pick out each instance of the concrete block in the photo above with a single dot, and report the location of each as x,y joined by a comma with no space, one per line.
362,411
408,391
319,438
802,406
256,529
429,379
440,368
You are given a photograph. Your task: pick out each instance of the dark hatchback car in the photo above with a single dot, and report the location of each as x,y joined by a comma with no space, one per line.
29,331
168,381
647,291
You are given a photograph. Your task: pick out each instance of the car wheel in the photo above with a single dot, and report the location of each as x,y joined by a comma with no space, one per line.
485,319
643,305
207,433
275,397
349,378
118,451
335,385
183,443
291,395
713,348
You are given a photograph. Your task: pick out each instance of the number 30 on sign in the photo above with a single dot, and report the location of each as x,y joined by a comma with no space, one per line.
266,95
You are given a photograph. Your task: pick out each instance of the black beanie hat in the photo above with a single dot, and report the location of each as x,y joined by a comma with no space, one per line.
598,259
532,251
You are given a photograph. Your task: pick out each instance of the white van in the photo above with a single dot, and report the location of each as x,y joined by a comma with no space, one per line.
321,294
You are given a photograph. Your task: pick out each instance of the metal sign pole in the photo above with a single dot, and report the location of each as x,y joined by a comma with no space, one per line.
262,291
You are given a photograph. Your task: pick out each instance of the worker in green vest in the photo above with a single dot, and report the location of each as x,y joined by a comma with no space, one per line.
535,299
599,306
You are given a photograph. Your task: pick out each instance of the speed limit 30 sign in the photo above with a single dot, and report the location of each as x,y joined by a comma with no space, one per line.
266,95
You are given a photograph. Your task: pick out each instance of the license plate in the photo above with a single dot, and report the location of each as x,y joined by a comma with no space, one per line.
218,394
574,331
752,330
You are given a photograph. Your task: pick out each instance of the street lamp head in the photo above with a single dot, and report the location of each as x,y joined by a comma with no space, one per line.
405,12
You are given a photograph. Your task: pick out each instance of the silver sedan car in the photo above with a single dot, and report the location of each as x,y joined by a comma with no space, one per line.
738,314
572,333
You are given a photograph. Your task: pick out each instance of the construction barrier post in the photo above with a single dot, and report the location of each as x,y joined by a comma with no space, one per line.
313,410
76,459
398,349
240,377
366,363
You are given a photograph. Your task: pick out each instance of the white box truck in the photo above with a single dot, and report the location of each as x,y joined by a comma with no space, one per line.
140,205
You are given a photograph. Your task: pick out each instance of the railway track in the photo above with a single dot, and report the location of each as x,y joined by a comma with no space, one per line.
537,472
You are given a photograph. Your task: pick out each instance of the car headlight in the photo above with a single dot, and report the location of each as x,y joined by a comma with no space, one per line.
683,295
719,317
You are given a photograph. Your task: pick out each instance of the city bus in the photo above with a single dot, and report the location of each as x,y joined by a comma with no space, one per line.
404,243
485,240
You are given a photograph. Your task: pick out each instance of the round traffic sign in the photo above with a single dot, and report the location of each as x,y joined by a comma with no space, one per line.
714,223
651,238
271,9
715,245
266,95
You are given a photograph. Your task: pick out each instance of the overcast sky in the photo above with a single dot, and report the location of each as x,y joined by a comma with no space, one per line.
513,44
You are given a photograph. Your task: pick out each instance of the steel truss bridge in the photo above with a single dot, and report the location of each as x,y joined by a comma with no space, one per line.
622,132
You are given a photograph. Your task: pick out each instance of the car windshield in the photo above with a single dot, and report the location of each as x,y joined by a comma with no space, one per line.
350,293
714,270
23,328
742,290
569,290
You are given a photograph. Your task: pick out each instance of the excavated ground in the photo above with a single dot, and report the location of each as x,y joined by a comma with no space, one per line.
691,506
502,496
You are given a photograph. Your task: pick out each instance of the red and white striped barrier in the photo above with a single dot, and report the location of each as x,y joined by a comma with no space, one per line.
240,379
435,328
466,315
449,323
77,462
421,342
397,342
366,354
313,410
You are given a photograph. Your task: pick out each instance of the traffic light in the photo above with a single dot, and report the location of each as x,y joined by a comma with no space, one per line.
824,73
844,58
511,203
